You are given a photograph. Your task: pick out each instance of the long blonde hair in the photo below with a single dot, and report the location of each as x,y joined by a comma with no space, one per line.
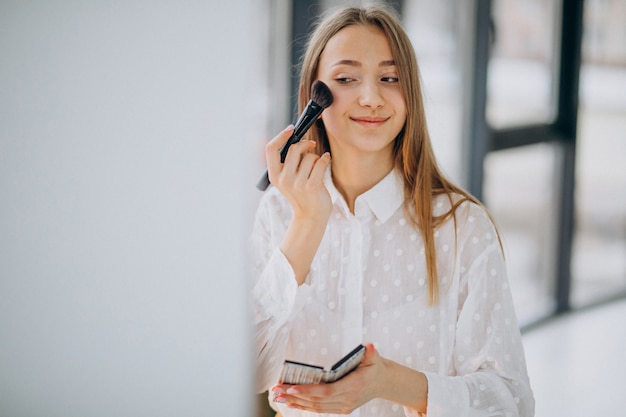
413,154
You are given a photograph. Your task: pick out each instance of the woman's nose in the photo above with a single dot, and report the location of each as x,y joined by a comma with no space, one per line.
370,95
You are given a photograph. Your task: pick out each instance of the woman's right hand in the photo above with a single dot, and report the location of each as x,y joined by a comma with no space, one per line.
301,180
301,177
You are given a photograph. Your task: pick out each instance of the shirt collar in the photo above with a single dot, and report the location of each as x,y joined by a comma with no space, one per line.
383,199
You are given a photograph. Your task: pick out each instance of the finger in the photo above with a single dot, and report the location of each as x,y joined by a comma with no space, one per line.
272,150
295,154
319,398
316,404
371,354
306,166
314,393
319,168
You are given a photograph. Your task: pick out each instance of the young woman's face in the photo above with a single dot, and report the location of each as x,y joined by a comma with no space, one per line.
368,110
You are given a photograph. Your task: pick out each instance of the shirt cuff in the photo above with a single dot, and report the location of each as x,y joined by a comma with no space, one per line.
447,396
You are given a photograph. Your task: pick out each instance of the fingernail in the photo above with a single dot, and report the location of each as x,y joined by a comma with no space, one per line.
293,391
278,390
280,400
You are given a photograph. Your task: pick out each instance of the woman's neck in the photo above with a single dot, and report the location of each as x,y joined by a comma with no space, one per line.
354,176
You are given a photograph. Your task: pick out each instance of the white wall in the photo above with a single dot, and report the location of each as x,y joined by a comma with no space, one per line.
123,193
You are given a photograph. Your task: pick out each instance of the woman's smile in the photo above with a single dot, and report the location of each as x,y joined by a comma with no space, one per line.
369,122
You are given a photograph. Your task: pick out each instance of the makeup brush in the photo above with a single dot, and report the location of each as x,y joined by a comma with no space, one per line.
321,97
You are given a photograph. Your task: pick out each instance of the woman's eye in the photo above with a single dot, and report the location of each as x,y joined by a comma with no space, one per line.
344,80
389,79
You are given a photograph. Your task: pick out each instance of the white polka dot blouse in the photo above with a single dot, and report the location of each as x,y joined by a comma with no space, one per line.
368,284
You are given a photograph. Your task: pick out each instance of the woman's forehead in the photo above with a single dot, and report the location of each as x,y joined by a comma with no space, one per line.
355,44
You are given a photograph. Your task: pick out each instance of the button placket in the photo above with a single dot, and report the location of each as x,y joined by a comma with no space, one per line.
354,308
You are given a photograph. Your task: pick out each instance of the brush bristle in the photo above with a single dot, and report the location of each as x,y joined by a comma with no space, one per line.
320,93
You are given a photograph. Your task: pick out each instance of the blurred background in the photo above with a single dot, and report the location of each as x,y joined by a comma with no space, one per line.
131,137
526,105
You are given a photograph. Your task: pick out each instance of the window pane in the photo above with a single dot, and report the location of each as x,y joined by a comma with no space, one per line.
599,251
523,51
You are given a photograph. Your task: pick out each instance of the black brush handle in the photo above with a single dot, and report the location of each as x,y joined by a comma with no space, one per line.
306,120
264,182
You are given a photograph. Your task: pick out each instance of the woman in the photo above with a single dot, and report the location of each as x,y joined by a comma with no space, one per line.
374,245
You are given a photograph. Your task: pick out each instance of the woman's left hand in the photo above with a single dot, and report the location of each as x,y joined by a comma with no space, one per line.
366,382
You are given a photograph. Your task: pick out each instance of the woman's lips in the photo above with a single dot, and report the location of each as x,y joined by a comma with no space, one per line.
369,121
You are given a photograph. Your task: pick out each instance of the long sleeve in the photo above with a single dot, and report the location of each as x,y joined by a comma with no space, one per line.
274,295
491,376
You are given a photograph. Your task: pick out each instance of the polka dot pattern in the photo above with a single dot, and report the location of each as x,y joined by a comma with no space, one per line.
368,283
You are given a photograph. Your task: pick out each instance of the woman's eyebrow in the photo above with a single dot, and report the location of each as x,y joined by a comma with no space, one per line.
348,62
353,63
